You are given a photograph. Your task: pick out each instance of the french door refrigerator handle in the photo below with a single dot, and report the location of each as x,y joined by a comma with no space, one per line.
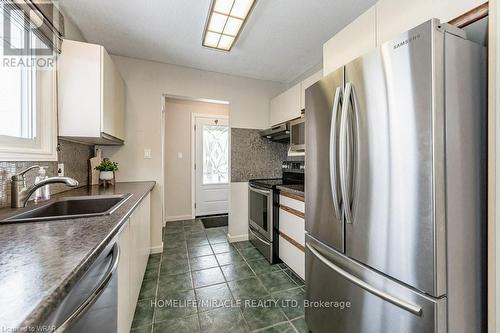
345,155
334,182
412,308
98,290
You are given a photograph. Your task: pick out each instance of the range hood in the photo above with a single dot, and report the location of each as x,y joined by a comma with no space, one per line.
280,133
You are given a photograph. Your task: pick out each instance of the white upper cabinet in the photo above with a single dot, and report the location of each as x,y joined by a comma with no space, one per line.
306,84
395,16
285,106
351,42
91,95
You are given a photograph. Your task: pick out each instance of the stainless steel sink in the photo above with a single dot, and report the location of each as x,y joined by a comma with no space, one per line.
71,207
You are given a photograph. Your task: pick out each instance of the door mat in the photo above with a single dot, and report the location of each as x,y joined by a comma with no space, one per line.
214,221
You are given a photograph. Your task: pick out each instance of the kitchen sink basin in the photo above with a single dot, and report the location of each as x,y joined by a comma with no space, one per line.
71,207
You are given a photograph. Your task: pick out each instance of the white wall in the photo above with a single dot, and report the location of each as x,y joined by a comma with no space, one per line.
178,171
146,82
384,21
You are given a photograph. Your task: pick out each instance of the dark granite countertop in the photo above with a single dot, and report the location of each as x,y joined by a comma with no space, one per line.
41,261
295,189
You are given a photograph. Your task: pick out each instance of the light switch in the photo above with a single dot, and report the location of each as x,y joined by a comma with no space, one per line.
179,155
147,153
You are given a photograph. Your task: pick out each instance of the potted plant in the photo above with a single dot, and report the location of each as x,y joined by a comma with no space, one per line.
107,169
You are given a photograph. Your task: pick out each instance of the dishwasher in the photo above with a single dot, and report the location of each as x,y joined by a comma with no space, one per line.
92,303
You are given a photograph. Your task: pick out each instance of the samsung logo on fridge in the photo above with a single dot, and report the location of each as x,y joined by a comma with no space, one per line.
406,41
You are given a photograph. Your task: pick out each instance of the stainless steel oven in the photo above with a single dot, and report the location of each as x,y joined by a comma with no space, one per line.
298,135
260,219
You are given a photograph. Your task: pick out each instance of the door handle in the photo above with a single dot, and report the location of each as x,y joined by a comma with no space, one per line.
348,151
96,292
263,192
412,308
334,183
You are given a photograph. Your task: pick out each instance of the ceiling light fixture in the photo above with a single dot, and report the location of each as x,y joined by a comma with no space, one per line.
225,20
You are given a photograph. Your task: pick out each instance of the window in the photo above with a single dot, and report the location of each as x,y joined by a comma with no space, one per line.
215,154
27,90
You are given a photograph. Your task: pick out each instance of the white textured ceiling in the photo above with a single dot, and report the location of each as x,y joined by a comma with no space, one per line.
282,39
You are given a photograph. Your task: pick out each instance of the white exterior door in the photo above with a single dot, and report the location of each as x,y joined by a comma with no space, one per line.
211,165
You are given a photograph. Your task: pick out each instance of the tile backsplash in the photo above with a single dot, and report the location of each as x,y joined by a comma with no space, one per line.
75,157
255,157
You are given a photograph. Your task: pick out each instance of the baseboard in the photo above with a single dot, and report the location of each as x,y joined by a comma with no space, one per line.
238,238
157,249
178,218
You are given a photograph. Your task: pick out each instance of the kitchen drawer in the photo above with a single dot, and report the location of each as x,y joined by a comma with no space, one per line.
292,256
292,225
292,203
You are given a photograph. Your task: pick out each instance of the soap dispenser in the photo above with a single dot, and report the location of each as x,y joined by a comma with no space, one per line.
41,193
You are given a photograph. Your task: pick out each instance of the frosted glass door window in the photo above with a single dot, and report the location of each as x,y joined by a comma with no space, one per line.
215,154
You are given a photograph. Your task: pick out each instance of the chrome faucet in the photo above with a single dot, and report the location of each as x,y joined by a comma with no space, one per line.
20,193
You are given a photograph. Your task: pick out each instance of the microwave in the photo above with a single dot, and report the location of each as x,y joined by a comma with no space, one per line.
298,134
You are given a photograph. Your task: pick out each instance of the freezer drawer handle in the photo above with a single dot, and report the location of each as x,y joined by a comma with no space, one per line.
415,309
98,290
334,154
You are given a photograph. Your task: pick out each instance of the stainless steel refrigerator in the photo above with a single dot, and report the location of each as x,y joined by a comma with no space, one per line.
396,188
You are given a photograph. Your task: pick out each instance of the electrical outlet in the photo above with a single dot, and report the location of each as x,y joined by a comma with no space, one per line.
147,153
60,169
179,155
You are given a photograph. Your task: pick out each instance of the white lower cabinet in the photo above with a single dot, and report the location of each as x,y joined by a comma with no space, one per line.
135,244
293,257
292,233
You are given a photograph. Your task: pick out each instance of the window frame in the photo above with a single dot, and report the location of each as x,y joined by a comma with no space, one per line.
42,86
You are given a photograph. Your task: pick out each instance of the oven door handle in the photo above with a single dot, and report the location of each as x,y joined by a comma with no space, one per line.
258,237
263,192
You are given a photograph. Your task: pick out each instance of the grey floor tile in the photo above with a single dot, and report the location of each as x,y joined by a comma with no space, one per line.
291,302
179,253
223,320
260,313
251,254
143,315
187,324
229,258
173,267
174,250
250,288
207,277
169,283
262,266
204,262
243,245
200,251
217,239
173,230
194,234
174,236
174,243
294,277
144,329
300,325
174,305
214,296
279,328
237,271
223,248
277,281
148,289
151,272
197,241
